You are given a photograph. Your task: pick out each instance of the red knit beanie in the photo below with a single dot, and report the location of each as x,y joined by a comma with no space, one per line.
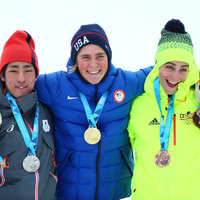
19,47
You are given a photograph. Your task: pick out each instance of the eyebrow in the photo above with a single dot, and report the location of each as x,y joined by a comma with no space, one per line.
83,55
101,53
17,66
175,64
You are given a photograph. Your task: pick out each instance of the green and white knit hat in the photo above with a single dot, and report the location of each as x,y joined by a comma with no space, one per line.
175,44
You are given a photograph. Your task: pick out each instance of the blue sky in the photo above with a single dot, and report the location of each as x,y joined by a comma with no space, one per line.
133,27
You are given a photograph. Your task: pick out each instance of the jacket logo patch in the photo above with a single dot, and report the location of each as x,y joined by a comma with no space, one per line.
186,118
154,122
119,96
45,125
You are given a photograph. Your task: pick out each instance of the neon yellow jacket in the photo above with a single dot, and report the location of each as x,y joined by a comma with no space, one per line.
180,180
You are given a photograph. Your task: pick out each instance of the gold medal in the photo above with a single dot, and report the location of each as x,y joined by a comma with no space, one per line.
162,159
92,135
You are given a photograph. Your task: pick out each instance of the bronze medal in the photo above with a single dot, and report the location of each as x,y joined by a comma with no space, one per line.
162,159
196,118
92,135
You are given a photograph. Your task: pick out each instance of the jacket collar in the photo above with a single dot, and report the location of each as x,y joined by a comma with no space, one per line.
25,103
88,88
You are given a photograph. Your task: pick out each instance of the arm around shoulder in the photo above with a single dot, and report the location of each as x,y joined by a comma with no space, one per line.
46,86
137,80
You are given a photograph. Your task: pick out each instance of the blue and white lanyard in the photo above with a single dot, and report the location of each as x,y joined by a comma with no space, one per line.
164,129
93,118
31,144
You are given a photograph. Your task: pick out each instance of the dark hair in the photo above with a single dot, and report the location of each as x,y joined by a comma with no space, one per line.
3,71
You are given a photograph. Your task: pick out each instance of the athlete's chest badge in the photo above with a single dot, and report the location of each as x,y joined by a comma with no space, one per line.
119,96
45,125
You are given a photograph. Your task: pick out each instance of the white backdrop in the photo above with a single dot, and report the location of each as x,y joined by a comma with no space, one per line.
132,26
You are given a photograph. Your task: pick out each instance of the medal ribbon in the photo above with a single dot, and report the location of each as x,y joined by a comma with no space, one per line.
93,118
31,144
164,129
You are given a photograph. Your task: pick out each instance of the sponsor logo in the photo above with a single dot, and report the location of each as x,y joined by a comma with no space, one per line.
70,98
186,119
119,96
184,116
10,129
154,122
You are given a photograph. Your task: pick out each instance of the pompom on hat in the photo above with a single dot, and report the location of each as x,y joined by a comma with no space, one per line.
175,44
90,34
19,47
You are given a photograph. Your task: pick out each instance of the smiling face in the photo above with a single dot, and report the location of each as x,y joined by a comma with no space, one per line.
171,74
92,62
19,78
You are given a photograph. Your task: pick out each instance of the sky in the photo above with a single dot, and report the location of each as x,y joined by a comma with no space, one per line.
132,27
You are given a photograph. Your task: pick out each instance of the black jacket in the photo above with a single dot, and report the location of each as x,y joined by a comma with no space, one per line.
15,182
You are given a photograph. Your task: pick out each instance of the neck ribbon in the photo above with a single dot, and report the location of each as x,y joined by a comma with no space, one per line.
31,144
164,129
93,118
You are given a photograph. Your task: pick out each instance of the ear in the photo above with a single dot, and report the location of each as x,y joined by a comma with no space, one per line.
2,77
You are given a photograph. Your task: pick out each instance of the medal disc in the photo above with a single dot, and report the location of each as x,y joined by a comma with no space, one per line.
196,118
92,135
31,163
162,159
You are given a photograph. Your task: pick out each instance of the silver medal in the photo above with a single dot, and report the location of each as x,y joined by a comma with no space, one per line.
31,163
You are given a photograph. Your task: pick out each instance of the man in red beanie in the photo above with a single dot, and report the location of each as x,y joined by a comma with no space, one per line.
27,168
